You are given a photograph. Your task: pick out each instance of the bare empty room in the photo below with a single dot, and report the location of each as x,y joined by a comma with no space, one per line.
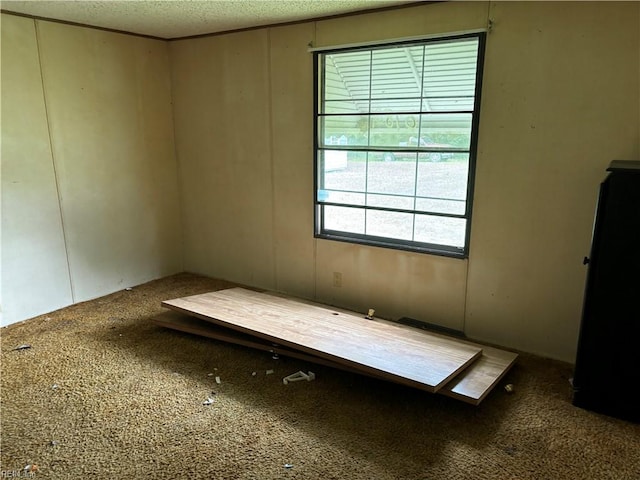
292,239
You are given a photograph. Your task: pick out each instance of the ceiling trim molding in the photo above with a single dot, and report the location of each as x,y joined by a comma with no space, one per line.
76,24
409,4
312,19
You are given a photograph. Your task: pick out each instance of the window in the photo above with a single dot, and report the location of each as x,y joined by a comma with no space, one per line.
396,129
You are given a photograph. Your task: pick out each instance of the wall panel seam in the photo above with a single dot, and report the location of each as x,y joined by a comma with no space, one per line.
176,158
53,161
274,238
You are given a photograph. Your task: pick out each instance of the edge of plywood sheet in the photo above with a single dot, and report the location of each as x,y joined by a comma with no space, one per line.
475,383
413,357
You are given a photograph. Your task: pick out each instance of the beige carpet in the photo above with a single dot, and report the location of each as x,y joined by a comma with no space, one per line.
103,393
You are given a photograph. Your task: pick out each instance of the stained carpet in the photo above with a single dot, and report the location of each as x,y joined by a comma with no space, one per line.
103,393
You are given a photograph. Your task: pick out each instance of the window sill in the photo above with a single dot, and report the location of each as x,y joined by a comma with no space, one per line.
408,246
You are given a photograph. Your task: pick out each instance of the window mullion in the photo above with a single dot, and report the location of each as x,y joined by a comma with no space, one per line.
415,183
366,173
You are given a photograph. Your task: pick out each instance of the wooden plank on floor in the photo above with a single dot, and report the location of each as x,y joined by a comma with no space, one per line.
470,386
185,323
475,383
413,357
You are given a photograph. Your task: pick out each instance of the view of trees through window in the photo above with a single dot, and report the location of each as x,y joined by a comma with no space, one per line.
395,143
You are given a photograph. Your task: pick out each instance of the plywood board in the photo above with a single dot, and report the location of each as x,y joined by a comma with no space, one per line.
475,383
185,323
409,356
470,386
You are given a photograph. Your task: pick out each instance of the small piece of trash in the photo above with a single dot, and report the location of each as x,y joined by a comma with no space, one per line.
254,374
208,401
24,346
269,372
288,465
209,374
218,380
509,388
128,289
296,377
54,386
53,443
31,468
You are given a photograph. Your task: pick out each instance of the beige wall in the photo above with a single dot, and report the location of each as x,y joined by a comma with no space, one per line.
223,141
560,100
89,178
90,184
35,275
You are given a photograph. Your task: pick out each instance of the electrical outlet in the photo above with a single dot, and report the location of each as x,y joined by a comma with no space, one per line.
337,279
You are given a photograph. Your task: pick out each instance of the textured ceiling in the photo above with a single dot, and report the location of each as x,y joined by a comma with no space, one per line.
182,18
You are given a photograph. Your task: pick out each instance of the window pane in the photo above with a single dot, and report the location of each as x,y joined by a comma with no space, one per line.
446,130
435,205
396,105
393,156
340,196
344,219
444,104
390,201
351,178
398,178
343,130
347,75
396,72
393,130
390,224
345,106
450,68
445,180
334,160
440,230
